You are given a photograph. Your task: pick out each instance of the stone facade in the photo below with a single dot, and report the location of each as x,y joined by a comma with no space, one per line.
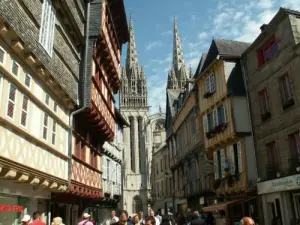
272,65
140,135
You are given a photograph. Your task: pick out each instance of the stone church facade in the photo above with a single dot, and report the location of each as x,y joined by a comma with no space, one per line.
144,132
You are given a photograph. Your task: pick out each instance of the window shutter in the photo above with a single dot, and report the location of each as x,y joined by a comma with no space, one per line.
216,165
225,111
215,117
232,160
205,124
240,157
212,83
104,166
222,153
206,83
258,57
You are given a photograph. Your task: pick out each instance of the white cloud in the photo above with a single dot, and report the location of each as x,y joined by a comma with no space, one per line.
203,35
265,4
166,33
163,61
153,44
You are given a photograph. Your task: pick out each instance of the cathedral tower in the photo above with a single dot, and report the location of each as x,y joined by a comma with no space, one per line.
134,108
178,75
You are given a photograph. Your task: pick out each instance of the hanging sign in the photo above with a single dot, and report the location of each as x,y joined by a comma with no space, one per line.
11,208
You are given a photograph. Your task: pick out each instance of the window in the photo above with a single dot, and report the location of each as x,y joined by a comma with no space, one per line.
210,85
210,121
24,111
11,101
53,133
218,116
47,99
272,160
285,91
47,27
45,126
2,56
14,68
267,52
264,103
294,141
108,169
55,107
193,122
27,80
93,159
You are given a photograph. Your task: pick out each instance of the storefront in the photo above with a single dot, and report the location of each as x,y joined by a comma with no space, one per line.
281,199
18,199
232,211
181,206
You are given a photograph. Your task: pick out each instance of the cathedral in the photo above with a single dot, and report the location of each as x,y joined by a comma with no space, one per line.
145,133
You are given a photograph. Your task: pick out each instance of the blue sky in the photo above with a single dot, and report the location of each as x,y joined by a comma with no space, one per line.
198,22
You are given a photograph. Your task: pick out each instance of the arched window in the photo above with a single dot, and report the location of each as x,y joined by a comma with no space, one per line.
137,205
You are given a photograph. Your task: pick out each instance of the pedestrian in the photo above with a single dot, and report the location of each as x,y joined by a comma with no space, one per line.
210,220
136,219
57,221
196,219
142,219
113,218
26,220
85,220
247,221
37,219
150,220
165,220
156,219
158,216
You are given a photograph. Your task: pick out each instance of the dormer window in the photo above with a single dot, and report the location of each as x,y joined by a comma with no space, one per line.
210,85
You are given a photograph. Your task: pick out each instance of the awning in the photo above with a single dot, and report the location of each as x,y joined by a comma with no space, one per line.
223,205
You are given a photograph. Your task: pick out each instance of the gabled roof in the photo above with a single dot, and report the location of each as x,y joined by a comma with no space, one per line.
235,82
200,65
220,47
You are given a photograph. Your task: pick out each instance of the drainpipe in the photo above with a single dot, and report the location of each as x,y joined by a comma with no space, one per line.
245,75
83,73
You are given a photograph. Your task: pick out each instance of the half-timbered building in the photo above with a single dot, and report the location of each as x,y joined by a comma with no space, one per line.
39,71
227,131
94,121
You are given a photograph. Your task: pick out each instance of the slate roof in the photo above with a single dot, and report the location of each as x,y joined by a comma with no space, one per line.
172,94
224,48
200,65
235,82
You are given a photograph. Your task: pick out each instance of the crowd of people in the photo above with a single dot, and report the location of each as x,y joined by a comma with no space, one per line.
152,218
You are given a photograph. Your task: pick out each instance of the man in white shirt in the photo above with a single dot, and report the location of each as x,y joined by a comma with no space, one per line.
157,222
113,218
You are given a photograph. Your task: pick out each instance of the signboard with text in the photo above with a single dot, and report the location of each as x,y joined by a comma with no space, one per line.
11,208
280,184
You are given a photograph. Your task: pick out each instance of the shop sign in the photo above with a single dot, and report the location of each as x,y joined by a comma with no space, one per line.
281,184
11,208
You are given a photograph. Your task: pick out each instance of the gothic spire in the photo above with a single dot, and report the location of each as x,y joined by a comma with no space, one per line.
178,60
131,58
172,80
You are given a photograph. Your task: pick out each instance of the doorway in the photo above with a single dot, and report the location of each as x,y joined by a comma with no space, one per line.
275,211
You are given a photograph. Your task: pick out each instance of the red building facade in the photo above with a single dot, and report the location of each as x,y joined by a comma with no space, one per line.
94,120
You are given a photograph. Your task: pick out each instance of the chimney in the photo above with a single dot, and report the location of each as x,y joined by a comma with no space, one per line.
263,27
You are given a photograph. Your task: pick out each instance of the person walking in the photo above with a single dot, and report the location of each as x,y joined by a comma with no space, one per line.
86,220
37,219
57,221
26,220
113,218
196,219
247,221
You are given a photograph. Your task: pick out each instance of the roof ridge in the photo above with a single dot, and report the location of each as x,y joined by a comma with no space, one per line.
222,39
